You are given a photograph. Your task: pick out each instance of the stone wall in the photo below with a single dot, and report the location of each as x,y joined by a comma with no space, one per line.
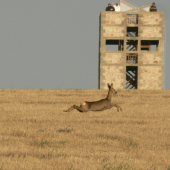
112,70
112,74
161,46
151,58
150,77
111,18
151,24
113,31
149,32
112,24
151,18
112,58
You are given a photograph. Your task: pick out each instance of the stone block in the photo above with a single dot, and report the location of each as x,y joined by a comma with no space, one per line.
113,31
112,74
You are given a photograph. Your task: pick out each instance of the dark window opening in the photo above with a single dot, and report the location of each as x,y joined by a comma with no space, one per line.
114,45
149,45
132,19
132,31
131,58
131,45
131,77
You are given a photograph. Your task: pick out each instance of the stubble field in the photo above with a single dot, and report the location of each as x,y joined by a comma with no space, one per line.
35,133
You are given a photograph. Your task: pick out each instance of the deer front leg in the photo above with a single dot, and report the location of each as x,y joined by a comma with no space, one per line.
117,106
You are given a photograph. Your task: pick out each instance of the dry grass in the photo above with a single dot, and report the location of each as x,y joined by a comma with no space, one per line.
35,133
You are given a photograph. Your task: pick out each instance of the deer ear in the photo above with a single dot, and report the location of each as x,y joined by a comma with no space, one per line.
108,85
112,84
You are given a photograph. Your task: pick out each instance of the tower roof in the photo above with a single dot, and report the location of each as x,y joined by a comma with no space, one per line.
126,6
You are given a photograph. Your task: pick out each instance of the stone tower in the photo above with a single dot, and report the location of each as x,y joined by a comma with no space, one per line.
132,48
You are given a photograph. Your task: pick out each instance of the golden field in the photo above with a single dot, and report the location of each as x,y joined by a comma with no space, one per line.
35,133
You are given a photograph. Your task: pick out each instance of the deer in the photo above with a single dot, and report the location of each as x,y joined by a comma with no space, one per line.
99,105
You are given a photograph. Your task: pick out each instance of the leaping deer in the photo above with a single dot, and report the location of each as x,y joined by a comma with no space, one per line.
100,105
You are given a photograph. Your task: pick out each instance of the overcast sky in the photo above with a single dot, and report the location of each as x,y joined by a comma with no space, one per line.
54,44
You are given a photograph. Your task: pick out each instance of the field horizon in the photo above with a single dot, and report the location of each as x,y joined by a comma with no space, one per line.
37,134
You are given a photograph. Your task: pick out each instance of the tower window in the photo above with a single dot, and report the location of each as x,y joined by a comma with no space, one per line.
131,77
132,32
131,45
114,45
149,45
132,19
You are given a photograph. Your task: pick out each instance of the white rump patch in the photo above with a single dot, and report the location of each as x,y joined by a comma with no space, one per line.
83,103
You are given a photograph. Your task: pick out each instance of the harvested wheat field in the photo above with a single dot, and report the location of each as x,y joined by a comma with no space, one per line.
35,133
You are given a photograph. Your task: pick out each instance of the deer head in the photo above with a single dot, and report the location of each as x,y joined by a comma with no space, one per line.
112,91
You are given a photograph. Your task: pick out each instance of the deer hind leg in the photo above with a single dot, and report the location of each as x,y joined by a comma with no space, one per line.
81,108
70,109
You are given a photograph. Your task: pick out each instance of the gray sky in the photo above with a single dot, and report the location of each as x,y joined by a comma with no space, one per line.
53,44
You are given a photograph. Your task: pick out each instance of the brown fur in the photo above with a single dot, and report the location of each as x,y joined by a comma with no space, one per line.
100,105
